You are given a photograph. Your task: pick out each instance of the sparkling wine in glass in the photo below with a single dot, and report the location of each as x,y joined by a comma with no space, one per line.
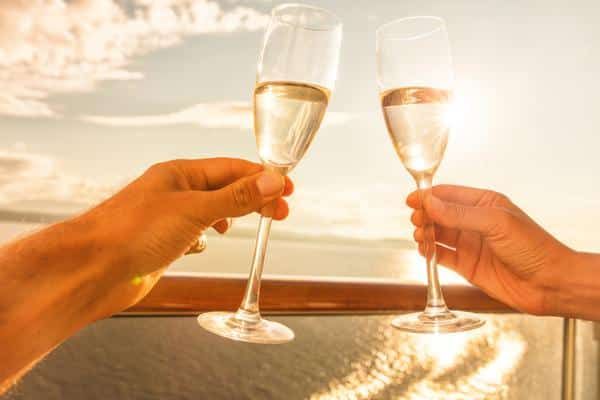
296,73
286,117
415,76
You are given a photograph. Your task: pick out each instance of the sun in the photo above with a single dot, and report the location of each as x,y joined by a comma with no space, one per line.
468,116
454,113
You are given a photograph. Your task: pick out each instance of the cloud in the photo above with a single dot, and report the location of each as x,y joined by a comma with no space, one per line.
209,115
36,182
57,46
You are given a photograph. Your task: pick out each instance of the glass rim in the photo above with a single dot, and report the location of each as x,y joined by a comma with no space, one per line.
335,24
381,35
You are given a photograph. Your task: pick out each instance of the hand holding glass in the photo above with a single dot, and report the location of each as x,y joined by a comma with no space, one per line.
414,72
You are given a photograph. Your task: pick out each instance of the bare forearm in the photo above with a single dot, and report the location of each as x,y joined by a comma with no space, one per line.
51,285
576,293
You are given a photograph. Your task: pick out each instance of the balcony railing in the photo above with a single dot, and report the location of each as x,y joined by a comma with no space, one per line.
194,293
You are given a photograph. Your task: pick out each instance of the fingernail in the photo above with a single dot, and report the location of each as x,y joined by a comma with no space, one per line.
269,184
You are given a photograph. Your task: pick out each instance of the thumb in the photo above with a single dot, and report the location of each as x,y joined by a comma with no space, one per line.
484,220
245,195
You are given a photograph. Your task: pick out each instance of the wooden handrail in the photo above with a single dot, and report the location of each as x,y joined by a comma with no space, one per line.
191,294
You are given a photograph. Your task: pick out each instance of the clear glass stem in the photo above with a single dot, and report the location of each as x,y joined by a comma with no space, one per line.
435,299
249,309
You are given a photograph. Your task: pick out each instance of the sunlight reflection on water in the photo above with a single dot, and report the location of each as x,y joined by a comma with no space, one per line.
472,365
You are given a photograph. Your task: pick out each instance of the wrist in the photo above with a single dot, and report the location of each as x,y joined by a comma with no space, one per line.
117,274
87,260
575,290
109,283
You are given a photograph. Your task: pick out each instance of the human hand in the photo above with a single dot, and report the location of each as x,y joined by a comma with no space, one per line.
491,242
155,219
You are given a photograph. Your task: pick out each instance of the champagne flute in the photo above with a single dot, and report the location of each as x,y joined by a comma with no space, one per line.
296,73
415,77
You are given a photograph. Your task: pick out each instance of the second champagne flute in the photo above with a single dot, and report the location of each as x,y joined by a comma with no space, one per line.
296,73
415,75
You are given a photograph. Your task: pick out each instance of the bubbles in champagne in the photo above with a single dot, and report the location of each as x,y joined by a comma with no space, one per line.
286,117
417,121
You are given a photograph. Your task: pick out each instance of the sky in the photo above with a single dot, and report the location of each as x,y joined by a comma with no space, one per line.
92,92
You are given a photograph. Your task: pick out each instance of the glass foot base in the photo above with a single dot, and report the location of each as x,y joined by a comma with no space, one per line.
245,327
442,322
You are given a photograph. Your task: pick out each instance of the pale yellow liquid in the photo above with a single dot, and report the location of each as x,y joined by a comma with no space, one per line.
417,121
286,117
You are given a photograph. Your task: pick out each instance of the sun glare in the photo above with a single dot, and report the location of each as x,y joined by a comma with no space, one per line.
450,115
467,116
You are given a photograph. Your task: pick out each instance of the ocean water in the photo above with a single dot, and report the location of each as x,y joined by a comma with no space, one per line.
349,357
333,357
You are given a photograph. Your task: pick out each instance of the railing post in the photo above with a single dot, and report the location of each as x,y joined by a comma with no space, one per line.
568,359
596,330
